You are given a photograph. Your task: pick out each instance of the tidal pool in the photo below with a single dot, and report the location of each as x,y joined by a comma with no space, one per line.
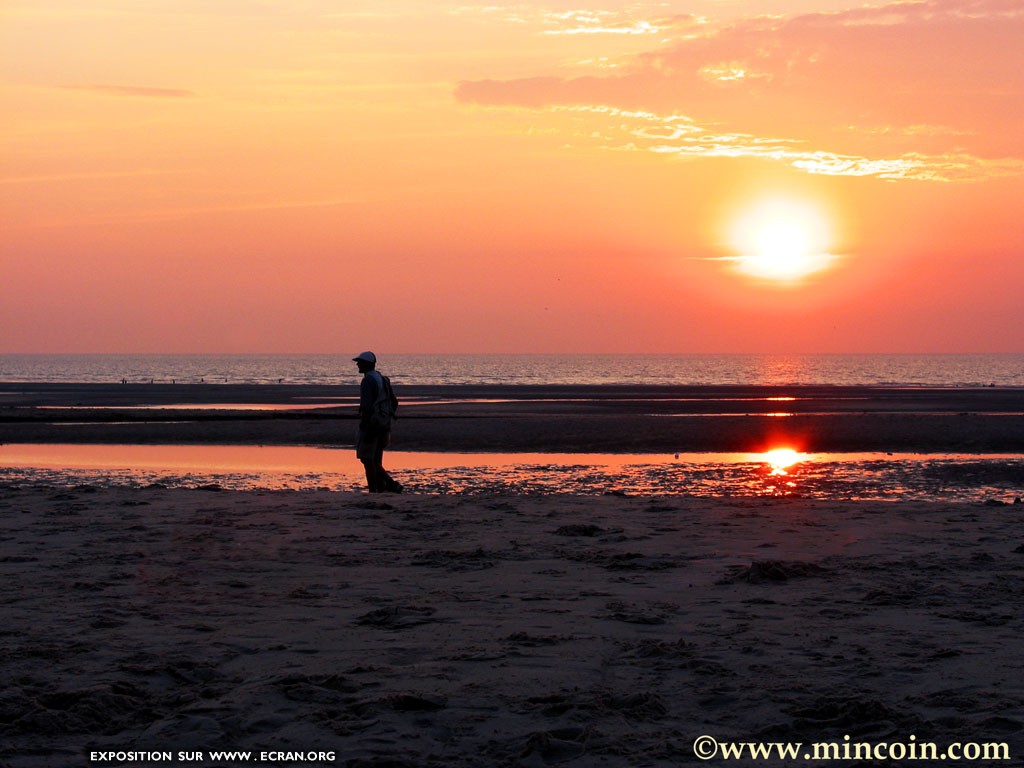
780,472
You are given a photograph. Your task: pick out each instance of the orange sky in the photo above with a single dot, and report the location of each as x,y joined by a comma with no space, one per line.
316,176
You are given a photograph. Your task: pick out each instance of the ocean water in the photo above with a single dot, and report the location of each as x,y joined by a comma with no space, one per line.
966,370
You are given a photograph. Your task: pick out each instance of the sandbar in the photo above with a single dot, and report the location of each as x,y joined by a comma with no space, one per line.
537,419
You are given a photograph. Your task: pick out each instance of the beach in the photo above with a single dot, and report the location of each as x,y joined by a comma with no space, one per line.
465,631
164,625
708,446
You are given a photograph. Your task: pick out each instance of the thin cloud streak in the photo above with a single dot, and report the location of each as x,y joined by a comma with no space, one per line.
89,176
133,91
610,23
681,137
154,215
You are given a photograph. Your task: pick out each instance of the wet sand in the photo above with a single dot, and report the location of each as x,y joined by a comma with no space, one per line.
604,419
504,631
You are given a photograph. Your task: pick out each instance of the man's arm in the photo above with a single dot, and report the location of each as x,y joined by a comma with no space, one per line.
367,397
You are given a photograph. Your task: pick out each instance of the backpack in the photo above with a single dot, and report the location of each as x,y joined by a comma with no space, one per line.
385,407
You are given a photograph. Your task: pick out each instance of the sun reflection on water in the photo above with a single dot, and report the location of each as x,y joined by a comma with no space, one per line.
778,471
781,459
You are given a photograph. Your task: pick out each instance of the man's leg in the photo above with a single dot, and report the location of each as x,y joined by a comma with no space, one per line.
391,485
371,476
380,476
369,450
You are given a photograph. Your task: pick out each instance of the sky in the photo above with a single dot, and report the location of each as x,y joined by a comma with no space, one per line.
691,176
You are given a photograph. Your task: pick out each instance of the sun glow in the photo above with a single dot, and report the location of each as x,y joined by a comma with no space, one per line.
782,240
781,459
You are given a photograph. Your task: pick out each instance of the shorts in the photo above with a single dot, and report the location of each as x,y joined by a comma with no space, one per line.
370,444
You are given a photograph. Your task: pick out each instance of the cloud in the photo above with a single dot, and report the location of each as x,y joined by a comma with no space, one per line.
130,90
942,77
585,21
597,22
680,137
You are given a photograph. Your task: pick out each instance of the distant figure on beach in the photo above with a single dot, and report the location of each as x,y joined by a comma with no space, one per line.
377,405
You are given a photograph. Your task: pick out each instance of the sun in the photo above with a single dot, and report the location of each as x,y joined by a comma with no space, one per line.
781,240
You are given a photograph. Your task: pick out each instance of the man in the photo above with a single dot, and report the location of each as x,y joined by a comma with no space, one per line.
374,436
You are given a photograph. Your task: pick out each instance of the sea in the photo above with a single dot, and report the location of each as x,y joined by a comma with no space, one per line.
933,370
